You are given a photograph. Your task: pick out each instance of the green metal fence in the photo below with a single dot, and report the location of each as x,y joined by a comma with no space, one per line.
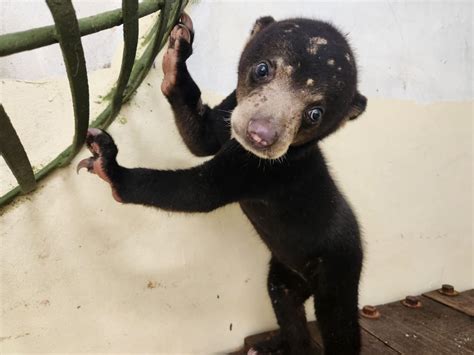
67,31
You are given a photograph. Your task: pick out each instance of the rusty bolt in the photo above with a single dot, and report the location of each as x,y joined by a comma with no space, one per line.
370,312
448,290
411,302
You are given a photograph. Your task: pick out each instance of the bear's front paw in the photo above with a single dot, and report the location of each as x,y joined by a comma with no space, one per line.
103,160
179,49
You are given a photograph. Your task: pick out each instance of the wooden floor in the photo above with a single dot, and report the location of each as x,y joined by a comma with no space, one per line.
434,324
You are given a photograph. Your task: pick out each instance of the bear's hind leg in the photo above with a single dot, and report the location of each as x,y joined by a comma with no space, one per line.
336,305
287,291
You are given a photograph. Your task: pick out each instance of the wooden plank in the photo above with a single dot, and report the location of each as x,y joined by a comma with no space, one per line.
373,346
434,329
370,344
429,330
255,339
463,302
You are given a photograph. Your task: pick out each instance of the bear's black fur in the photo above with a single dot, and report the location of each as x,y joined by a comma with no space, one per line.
297,84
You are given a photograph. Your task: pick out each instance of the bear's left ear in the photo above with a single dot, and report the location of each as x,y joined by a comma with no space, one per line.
358,105
260,24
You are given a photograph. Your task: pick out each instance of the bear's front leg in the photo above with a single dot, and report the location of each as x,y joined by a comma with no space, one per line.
176,76
215,183
203,129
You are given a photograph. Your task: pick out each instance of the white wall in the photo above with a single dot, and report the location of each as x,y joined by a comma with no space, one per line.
416,50
76,266
46,62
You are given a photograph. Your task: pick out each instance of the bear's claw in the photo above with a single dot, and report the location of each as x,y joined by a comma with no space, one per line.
103,150
87,163
186,20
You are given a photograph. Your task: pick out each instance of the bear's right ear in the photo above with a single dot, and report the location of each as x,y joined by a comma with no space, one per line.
358,105
260,24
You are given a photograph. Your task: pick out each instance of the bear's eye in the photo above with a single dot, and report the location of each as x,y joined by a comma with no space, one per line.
261,70
315,115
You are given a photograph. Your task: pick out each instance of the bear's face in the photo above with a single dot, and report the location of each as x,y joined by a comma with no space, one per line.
297,83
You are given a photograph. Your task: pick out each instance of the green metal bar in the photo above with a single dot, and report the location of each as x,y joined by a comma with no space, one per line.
69,38
158,41
17,42
139,70
165,15
138,74
130,39
14,154
10,195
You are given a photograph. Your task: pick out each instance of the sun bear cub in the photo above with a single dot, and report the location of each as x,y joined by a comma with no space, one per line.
297,83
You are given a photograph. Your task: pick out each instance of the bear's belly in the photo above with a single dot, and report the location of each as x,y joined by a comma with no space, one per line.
291,237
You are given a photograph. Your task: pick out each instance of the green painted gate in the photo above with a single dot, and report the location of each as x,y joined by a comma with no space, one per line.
67,31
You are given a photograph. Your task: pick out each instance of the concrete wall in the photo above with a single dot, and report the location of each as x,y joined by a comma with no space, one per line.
47,62
81,273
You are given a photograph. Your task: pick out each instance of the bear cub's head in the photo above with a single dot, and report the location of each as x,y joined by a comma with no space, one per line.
297,83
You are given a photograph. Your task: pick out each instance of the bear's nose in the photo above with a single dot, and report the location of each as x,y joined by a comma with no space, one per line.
261,133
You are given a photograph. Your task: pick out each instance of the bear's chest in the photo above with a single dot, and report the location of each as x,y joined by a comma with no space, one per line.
289,233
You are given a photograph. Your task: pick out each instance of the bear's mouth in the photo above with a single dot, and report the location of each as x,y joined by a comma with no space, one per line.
261,133
259,146
265,119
